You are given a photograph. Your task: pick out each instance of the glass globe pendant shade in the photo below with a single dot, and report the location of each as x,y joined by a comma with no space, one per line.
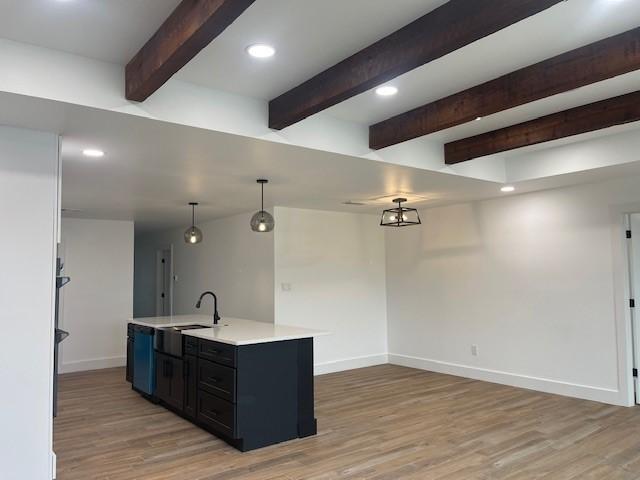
262,222
193,235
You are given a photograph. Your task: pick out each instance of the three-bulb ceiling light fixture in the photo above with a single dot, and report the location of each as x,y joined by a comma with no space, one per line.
193,234
400,216
262,221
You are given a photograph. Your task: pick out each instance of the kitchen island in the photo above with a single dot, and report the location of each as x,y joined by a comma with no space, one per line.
250,383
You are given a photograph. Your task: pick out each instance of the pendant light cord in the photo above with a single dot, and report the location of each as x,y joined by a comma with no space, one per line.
262,202
193,216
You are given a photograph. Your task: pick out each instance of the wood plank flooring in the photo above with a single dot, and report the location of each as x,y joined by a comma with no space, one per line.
379,423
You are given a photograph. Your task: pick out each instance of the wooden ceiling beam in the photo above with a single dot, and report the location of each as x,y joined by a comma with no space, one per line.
584,66
190,28
584,119
448,28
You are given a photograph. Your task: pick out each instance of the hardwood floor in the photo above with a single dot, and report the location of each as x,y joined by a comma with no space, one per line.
382,423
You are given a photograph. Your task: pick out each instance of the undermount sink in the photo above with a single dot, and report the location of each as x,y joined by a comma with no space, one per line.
188,327
197,327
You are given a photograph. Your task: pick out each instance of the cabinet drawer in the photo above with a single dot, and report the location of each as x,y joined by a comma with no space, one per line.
217,414
190,345
217,379
217,352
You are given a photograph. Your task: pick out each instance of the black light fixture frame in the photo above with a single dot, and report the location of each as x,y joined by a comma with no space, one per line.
399,213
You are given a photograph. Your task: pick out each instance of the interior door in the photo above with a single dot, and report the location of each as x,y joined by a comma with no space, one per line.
164,274
634,263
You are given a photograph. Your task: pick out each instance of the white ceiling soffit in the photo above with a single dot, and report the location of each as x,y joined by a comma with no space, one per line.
152,169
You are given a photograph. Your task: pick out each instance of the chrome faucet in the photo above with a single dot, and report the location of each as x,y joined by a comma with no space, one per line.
216,317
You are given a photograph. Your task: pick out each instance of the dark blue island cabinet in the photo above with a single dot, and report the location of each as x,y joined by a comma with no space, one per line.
251,396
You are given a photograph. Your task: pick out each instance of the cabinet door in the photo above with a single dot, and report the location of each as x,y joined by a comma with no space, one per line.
170,381
176,398
190,384
130,360
163,380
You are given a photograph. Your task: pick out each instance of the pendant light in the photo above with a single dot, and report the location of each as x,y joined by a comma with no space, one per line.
193,234
400,216
262,221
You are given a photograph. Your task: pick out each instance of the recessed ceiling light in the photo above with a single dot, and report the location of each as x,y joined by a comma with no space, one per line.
386,90
507,188
260,50
92,152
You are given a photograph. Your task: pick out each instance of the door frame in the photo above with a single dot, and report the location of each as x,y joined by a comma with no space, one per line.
633,290
622,293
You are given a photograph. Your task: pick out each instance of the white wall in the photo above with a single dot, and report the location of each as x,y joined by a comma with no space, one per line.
98,256
334,262
29,212
232,261
335,266
536,281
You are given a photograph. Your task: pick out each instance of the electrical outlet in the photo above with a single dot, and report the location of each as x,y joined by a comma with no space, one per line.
474,350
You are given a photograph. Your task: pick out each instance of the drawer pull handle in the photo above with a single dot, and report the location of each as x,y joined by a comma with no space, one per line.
213,380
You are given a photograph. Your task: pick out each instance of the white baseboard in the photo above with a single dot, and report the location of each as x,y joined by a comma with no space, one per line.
586,392
546,385
92,364
319,368
350,363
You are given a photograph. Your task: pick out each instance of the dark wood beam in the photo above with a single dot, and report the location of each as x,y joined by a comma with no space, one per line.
588,118
596,62
190,28
452,26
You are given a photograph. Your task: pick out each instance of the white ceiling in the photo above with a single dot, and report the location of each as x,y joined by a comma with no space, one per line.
108,30
309,35
312,35
532,40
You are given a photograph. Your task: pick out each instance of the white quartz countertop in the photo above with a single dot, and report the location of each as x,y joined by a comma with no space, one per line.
233,331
